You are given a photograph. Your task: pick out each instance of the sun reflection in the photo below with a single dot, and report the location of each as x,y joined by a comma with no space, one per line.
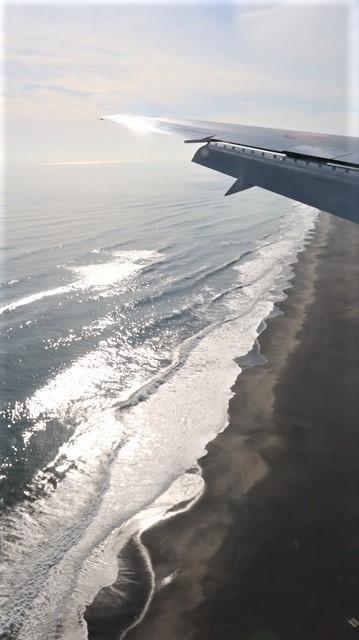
139,124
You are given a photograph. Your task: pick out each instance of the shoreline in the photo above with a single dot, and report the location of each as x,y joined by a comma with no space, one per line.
239,562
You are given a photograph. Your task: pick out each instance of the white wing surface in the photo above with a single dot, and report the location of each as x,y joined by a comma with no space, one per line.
321,170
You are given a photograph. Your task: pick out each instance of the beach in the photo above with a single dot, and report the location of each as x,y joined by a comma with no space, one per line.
271,551
123,341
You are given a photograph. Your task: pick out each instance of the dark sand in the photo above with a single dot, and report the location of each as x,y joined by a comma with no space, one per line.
271,550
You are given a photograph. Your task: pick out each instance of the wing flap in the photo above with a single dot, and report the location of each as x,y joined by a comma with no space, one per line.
349,158
321,185
313,151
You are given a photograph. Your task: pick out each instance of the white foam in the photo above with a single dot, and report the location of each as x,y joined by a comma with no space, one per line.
35,297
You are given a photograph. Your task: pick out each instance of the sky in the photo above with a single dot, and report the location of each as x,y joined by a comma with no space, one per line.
284,64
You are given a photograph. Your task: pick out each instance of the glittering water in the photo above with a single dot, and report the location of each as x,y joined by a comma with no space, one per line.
123,309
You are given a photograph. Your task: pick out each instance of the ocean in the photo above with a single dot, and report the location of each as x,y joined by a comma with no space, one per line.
130,294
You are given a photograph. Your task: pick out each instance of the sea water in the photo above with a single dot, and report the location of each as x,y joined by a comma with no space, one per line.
128,293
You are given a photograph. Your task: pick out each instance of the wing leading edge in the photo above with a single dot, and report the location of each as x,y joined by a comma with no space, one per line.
320,170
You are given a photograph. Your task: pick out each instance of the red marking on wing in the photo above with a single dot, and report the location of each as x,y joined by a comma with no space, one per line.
306,136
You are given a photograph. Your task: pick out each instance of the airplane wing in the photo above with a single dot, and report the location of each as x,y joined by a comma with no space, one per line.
318,169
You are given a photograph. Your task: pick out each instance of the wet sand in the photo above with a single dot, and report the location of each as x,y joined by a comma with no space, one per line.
271,550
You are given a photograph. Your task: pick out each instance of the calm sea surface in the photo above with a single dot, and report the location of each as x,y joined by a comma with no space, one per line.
128,291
